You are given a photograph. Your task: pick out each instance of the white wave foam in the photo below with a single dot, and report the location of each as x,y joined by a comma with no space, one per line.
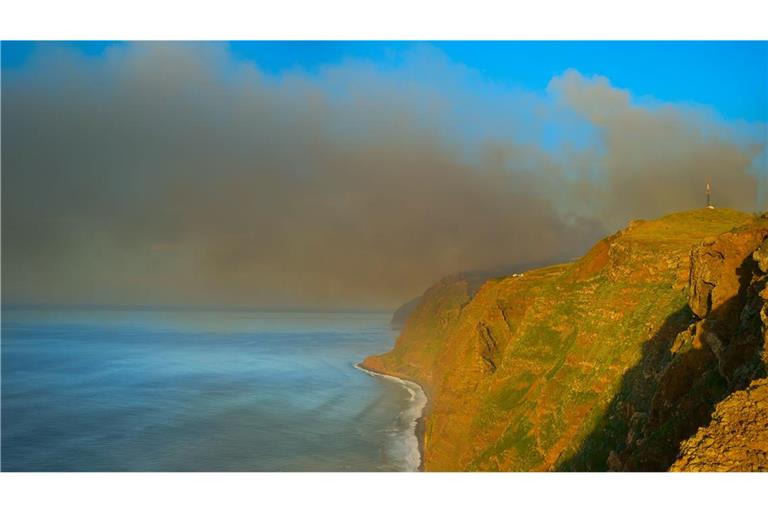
406,440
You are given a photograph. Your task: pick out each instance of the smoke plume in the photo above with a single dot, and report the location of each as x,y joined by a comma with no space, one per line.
165,173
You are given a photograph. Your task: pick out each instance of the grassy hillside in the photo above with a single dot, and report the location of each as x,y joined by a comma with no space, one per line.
559,368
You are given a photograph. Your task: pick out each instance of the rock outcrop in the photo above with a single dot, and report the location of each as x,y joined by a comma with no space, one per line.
718,353
605,363
737,437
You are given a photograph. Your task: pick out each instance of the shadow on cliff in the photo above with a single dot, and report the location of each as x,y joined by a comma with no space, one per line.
686,368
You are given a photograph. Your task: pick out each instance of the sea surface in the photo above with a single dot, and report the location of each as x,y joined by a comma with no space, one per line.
159,390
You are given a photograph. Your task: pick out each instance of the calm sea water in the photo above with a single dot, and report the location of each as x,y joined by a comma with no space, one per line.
87,390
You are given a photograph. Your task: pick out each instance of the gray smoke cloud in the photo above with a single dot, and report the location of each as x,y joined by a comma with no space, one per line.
167,173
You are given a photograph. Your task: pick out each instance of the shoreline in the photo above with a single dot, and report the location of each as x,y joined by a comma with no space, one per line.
414,388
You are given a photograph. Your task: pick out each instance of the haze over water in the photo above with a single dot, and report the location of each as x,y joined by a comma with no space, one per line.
97,390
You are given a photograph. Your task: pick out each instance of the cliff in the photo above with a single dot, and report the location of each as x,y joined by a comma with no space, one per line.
737,437
402,313
609,362
472,280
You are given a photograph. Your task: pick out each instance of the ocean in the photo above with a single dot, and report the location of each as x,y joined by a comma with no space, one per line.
159,390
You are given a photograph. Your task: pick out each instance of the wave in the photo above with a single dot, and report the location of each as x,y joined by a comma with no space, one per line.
406,441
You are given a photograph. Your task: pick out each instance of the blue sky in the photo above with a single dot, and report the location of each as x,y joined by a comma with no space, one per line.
730,77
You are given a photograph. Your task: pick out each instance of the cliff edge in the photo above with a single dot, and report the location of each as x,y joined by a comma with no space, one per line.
606,363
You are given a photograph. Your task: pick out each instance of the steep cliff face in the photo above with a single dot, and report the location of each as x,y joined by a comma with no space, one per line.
718,352
605,363
736,439
402,313
429,323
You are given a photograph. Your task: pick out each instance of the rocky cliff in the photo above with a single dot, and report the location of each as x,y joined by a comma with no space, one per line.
609,362
737,437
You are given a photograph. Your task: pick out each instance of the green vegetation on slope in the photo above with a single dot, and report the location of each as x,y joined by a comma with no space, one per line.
559,368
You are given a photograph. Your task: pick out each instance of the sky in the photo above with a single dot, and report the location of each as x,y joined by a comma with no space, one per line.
339,175
729,76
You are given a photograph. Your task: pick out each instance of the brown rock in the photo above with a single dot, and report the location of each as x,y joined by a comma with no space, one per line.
737,437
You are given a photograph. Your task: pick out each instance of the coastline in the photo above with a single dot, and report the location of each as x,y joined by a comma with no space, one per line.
414,388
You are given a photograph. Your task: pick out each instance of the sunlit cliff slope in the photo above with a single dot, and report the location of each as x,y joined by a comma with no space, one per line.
609,362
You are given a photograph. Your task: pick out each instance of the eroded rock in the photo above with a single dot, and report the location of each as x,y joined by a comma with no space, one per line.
737,437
